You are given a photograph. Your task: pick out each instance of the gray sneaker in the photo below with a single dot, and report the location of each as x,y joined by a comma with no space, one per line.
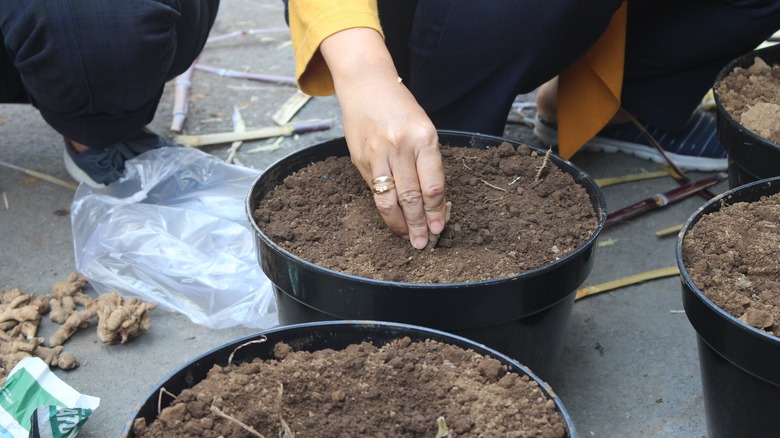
100,167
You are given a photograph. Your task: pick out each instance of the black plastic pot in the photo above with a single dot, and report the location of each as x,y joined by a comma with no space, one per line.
335,335
750,156
524,316
740,365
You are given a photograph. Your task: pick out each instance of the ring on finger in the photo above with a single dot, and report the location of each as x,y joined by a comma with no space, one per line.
382,184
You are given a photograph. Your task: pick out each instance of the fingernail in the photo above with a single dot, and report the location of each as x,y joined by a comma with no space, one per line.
436,227
420,242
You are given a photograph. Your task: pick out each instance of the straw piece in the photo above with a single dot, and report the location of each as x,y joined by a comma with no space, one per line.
181,99
290,108
606,182
670,230
284,80
238,126
41,176
627,281
252,134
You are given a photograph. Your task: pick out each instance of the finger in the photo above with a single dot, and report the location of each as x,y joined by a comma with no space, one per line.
410,198
385,197
430,171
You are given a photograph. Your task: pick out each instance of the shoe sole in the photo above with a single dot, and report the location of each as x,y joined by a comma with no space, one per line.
601,144
76,173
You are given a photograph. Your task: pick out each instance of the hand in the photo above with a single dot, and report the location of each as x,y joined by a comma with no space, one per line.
388,134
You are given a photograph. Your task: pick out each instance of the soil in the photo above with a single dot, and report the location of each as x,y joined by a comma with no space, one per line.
504,220
752,97
397,390
733,257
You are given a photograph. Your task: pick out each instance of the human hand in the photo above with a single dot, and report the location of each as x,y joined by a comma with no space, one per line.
388,134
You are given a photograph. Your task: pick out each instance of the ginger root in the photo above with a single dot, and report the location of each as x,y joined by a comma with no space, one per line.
66,295
120,320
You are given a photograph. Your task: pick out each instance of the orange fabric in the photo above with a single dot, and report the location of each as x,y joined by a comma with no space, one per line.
589,90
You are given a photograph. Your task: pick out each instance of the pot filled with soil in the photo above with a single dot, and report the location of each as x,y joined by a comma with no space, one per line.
728,254
351,378
520,240
747,98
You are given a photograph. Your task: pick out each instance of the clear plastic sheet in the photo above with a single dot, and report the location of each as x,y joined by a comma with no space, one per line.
174,231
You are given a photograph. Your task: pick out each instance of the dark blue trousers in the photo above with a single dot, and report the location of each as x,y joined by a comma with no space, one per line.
96,68
466,60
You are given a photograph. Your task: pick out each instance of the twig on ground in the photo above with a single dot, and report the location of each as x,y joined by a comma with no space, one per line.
283,80
238,126
42,176
670,230
255,341
290,108
253,134
606,182
627,281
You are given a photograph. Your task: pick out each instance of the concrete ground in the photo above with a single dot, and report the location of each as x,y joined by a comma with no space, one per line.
629,365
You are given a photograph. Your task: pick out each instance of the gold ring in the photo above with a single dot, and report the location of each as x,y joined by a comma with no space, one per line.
382,184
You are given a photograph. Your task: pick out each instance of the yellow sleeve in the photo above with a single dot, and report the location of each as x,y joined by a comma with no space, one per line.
311,21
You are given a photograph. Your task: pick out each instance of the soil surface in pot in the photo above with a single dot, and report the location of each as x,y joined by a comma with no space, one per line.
397,390
504,219
752,97
733,257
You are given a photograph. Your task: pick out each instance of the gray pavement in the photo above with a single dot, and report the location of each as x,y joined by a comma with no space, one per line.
629,365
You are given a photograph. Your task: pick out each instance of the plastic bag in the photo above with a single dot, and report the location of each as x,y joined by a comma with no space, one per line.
174,231
37,403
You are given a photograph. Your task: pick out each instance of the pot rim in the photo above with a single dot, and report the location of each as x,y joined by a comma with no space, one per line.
581,178
711,206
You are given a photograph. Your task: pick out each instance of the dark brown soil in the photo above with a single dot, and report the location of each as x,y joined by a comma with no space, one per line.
504,221
398,390
752,97
733,257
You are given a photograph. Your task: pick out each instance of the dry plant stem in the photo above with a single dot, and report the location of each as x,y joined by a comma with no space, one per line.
544,164
627,281
256,341
290,108
677,174
41,176
238,126
663,199
159,398
494,186
283,80
286,431
181,99
606,182
669,231
246,427
253,134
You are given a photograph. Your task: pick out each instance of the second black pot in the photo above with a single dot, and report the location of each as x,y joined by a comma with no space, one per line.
524,317
740,365
750,156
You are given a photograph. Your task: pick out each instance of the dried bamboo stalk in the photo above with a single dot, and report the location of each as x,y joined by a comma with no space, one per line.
253,134
627,281
181,99
238,126
670,230
284,80
606,182
41,176
290,108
